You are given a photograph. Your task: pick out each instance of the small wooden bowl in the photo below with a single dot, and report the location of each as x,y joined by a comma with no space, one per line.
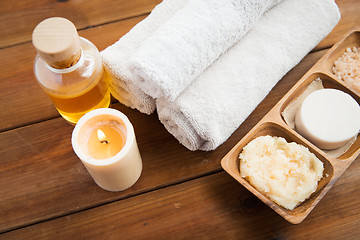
274,125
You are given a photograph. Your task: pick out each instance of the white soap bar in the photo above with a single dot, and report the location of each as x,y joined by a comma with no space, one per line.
328,118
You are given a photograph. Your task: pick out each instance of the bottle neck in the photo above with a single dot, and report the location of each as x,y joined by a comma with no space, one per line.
66,63
77,61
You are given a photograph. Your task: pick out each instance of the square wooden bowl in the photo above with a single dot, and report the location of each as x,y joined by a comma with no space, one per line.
274,125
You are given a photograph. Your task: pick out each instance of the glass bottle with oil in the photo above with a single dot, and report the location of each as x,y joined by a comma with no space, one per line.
69,69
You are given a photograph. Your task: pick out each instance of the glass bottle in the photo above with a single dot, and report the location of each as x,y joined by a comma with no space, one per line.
69,69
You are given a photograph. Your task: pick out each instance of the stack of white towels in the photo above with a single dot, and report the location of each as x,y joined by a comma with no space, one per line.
206,64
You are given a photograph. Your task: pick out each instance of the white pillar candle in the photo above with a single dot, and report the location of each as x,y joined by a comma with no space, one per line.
328,118
105,142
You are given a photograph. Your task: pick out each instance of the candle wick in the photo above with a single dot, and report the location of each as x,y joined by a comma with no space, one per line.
104,141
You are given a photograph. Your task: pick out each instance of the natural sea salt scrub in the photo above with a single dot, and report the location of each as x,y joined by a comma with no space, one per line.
287,173
347,68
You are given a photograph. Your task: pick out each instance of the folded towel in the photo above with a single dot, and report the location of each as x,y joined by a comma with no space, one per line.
142,102
222,97
131,96
116,56
192,39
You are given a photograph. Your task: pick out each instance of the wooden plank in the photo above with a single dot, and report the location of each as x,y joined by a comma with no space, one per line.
211,207
22,100
350,19
19,18
41,177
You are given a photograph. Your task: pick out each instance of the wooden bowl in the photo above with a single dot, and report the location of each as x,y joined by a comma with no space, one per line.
274,125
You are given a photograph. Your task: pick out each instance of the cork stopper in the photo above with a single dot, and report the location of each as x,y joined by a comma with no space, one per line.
57,42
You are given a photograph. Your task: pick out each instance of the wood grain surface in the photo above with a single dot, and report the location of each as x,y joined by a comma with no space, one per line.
350,18
46,193
19,18
211,207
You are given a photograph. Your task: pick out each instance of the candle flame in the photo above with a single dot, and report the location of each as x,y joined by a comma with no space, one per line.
102,137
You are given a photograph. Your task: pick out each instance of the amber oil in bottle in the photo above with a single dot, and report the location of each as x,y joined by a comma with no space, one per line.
69,69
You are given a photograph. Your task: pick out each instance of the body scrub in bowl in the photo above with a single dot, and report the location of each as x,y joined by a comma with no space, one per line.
287,173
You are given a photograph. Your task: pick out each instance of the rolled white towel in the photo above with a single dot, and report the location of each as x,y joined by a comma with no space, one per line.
223,96
191,40
142,102
116,57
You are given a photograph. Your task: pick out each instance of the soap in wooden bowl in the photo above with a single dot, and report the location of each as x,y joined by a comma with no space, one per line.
327,82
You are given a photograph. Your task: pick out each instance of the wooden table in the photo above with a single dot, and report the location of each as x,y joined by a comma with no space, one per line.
46,193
